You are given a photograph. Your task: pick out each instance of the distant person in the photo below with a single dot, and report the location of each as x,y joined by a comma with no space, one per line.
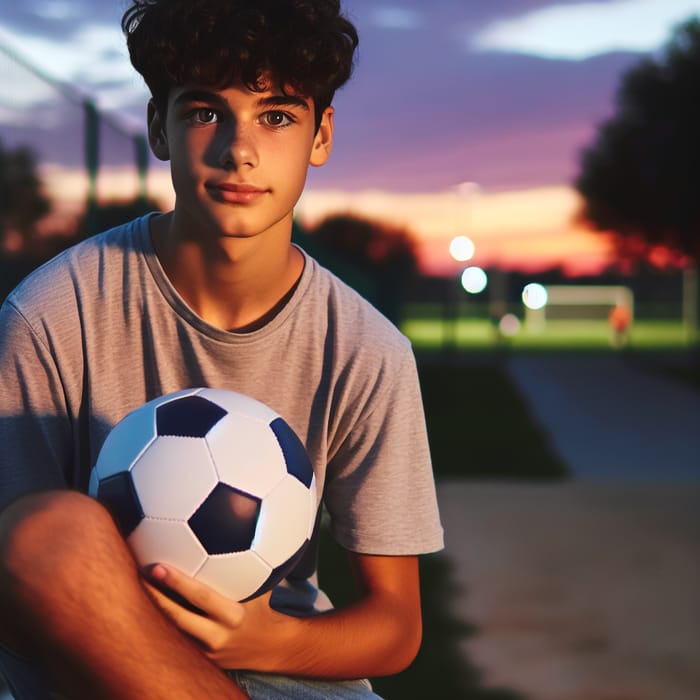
619,318
212,293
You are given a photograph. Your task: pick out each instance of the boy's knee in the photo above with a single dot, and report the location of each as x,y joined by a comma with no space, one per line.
47,542
47,534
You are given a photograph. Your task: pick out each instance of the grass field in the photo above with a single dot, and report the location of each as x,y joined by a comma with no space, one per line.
434,333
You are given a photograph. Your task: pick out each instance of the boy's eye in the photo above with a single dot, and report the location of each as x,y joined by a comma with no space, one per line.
204,115
277,119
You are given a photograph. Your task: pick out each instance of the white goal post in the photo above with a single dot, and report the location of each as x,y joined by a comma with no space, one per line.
580,302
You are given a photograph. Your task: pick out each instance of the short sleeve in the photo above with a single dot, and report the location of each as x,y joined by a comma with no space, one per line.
380,490
35,430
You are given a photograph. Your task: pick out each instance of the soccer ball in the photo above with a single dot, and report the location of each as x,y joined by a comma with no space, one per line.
212,482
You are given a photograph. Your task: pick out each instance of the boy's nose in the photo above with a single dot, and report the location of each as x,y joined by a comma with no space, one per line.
238,149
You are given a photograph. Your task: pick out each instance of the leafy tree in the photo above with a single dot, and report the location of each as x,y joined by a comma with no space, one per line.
22,202
641,176
380,253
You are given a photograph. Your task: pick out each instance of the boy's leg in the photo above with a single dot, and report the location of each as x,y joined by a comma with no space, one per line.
71,597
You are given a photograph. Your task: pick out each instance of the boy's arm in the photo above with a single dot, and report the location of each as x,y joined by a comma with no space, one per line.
377,635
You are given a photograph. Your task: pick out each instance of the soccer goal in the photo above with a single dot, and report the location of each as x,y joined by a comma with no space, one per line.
581,303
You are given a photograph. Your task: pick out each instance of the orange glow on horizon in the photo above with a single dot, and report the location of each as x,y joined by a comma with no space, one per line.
526,230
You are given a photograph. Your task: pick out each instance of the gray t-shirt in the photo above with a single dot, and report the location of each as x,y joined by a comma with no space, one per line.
99,330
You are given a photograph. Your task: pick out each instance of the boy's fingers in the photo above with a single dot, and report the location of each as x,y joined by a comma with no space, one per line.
198,595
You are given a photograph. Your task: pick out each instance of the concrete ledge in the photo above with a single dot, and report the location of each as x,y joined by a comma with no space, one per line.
579,590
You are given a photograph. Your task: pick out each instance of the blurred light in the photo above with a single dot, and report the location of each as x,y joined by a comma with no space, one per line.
509,325
474,280
462,248
534,296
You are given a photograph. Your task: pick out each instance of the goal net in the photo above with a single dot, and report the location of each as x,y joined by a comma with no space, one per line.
582,303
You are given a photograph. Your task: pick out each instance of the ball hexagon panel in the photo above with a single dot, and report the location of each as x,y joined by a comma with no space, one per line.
235,575
173,476
226,521
246,454
279,572
188,416
287,509
123,446
163,541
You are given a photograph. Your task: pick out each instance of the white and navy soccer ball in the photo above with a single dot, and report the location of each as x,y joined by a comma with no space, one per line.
212,482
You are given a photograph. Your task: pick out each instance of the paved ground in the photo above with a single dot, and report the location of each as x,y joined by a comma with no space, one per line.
589,589
579,591
610,417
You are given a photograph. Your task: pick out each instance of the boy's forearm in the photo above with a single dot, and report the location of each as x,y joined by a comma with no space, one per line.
376,636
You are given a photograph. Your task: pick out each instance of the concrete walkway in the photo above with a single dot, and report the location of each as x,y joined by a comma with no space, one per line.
609,418
588,589
579,591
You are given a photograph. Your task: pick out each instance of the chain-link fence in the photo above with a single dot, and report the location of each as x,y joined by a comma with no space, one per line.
84,156
64,165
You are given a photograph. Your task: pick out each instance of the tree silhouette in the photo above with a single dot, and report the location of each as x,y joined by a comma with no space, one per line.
22,202
379,252
640,178
102,216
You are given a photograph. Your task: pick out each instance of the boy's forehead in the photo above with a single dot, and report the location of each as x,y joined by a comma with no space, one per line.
266,92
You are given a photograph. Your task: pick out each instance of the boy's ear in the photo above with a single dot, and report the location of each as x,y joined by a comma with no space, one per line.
323,141
156,133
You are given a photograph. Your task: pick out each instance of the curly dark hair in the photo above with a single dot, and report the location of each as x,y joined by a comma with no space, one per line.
306,46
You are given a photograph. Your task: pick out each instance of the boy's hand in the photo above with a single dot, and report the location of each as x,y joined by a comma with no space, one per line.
379,634
225,630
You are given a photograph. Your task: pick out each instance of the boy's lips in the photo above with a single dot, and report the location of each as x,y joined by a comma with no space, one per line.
236,193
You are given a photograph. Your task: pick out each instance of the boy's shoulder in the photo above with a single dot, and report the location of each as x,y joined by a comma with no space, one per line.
79,263
355,320
66,281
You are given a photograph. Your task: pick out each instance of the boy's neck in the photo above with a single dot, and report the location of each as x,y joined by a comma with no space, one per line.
238,286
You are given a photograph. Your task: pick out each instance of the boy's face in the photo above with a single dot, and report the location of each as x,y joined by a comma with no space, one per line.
238,158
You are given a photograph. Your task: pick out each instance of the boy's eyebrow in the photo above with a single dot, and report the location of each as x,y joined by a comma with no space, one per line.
269,101
197,96
283,101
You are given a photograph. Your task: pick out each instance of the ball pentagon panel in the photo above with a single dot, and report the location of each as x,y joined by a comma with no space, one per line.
226,521
188,416
235,402
119,497
295,455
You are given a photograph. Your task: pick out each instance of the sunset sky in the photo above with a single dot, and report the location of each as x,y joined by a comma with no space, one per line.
502,94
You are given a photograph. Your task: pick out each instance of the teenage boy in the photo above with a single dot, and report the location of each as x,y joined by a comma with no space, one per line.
212,293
